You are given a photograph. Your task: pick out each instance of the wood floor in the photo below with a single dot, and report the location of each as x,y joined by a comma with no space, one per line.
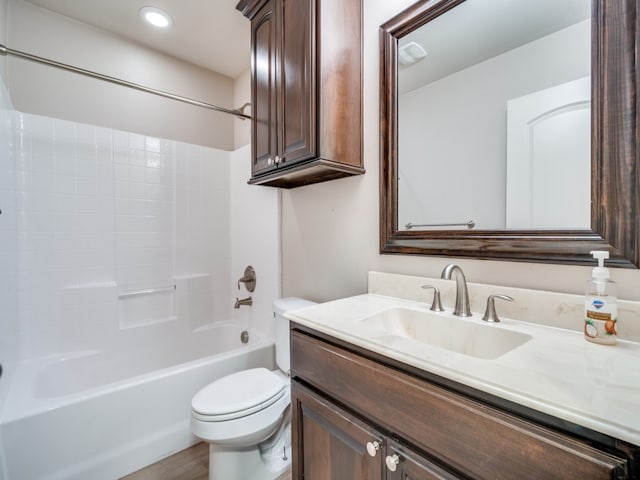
189,464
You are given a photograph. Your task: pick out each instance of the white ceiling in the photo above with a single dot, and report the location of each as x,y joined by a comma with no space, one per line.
481,29
209,33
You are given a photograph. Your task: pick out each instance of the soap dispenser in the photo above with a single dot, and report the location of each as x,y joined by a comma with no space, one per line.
601,304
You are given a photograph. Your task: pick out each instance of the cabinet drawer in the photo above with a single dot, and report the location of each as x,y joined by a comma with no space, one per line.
473,438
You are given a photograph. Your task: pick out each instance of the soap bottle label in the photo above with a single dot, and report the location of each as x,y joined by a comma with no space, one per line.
600,321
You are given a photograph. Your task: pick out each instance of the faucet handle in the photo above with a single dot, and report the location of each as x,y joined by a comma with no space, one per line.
436,304
490,314
249,279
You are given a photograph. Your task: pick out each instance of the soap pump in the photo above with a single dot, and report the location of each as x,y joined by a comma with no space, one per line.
601,305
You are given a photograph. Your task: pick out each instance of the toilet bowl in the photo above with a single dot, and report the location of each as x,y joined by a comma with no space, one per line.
245,416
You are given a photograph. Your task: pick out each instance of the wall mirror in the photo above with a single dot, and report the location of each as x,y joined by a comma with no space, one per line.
508,130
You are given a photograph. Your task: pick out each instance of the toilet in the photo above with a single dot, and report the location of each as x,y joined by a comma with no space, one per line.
245,417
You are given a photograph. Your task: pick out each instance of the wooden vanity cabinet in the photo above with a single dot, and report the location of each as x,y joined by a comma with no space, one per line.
333,444
344,397
306,90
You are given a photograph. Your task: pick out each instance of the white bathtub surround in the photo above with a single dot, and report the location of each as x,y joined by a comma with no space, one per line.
96,208
9,327
150,304
145,197
5,99
195,299
90,215
102,417
9,353
556,372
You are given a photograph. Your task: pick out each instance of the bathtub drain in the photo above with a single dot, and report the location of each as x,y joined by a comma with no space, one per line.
244,336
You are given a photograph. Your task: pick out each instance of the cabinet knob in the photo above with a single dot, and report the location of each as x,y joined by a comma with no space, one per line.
372,448
392,462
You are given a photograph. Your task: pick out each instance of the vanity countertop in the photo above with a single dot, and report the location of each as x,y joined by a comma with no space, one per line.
557,372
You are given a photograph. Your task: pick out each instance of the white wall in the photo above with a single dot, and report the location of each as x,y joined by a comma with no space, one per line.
51,92
3,36
330,230
474,101
3,59
255,227
242,94
255,234
3,20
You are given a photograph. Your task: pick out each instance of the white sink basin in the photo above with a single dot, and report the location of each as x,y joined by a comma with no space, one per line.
443,330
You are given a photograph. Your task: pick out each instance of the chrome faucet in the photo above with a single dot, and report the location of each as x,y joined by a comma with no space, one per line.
462,308
244,301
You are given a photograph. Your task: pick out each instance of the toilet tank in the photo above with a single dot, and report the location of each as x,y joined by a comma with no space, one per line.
282,328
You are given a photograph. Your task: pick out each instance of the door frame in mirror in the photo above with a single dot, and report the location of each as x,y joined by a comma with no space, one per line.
615,166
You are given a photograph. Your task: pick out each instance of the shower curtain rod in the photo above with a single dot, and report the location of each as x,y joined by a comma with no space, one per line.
63,66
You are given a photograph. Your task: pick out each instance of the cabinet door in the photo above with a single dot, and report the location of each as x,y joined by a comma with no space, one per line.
297,82
330,444
264,69
404,464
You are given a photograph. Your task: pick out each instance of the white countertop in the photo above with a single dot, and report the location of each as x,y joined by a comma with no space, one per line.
557,372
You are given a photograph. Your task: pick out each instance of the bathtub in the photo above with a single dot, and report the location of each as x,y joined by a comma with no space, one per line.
88,415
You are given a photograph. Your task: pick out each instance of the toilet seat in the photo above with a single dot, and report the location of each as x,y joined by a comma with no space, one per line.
236,421
238,395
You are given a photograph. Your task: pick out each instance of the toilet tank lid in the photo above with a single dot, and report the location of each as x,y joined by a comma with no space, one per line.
282,305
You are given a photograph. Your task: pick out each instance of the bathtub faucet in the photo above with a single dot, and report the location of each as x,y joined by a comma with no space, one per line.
245,301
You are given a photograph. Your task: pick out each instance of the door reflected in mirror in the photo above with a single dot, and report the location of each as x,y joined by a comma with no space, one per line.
494,118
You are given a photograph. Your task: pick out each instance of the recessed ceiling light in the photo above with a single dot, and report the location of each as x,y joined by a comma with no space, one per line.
156,17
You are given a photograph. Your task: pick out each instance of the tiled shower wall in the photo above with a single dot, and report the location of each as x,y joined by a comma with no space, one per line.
8,237
90,214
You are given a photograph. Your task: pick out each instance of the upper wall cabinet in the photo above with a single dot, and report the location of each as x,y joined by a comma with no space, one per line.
306,90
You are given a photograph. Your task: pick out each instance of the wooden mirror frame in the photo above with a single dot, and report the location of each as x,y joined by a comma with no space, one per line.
615,169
